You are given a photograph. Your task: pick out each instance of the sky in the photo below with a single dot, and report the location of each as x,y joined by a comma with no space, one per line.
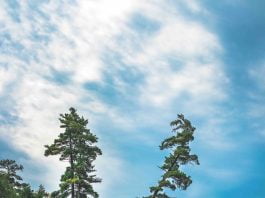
129,67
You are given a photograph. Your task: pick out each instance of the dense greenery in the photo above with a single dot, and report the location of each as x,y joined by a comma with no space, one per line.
173,178
76,145
11,185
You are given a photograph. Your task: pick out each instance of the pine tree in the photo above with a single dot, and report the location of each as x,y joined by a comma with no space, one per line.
6,189
173,178
25,191
76,145
9,168
10,182
55,194
41,193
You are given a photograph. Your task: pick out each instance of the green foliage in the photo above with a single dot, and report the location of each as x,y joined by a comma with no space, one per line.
6,189
10,182
41,193
76,146
173,178
25,191
10,168
56,194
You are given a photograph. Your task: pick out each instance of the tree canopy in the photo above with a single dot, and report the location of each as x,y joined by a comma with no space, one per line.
173,178
76,145
11,185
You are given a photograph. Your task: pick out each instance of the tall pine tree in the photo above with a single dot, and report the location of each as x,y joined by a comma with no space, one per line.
77,146
173,178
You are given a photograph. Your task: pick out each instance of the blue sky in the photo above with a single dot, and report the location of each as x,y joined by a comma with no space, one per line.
130,67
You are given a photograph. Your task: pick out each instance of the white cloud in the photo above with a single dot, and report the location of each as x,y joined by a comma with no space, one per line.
194,86
257,74
5,76
194,5
213,135
226,175
112,171
196,80
199,73
183,39
256,107
82,32
83,35
38,104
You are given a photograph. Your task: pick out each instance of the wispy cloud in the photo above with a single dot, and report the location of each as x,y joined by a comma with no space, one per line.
256,107
122,73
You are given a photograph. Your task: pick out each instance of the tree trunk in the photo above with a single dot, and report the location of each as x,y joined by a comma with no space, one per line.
78,191
72,167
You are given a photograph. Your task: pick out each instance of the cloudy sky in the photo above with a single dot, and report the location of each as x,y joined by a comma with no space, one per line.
130,66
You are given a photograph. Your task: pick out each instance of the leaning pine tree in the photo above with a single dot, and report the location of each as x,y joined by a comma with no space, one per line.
76,146
173,178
